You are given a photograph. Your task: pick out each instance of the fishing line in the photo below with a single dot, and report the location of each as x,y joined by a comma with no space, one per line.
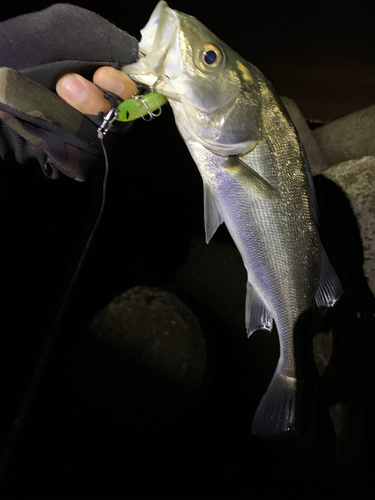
24,408
127,111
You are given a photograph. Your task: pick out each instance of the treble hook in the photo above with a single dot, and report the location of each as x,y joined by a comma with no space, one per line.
151,114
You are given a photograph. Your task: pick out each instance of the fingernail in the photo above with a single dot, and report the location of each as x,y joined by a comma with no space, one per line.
73,88
111,81
116,87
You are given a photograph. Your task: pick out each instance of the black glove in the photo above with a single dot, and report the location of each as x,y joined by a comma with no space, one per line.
35,51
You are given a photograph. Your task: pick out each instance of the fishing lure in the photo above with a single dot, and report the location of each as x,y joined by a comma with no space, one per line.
132,109
141,105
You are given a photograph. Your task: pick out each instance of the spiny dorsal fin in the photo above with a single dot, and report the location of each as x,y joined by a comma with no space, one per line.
314,201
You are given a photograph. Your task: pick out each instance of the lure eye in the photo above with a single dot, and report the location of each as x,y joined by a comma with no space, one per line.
211,56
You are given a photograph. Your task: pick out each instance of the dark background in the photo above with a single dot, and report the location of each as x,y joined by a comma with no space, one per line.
319,53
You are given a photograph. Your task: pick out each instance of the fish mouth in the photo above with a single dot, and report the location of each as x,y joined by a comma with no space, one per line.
159,39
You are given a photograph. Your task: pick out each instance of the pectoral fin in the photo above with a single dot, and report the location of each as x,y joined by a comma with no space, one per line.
212,217
258,316
250,178
329,290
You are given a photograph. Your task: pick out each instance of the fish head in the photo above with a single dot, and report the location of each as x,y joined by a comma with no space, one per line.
214,93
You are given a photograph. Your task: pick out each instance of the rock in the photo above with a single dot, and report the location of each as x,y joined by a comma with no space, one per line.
357,179
158,332
314,154
348,138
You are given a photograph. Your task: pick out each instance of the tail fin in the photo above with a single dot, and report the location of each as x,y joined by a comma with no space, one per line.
294,408
276,413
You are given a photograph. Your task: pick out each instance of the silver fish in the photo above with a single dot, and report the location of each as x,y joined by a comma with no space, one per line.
256,179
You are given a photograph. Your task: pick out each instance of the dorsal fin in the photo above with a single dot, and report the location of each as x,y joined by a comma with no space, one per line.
329,290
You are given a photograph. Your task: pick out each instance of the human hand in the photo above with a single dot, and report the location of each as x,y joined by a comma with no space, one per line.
84,96
37,124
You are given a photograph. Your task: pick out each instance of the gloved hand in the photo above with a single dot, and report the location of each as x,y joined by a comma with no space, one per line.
35,51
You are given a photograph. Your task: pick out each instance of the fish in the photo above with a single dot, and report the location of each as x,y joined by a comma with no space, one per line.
256,180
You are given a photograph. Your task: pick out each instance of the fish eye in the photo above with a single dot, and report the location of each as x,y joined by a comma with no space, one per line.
211,56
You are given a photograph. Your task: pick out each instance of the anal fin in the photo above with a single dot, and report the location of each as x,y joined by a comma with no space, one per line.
258,316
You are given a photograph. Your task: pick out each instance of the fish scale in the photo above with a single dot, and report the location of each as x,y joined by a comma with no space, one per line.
257,181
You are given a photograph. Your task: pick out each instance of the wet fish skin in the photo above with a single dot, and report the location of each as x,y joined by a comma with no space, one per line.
256,179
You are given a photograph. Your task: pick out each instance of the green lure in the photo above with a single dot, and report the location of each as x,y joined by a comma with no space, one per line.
140,106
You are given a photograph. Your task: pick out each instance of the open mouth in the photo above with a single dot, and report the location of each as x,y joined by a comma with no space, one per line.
158,35
159,40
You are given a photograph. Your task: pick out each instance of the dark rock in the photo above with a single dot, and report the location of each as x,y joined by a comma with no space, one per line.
357,179
348,138
159,332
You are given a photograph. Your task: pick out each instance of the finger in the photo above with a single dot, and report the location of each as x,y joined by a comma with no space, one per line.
86,97
82,94
115,81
